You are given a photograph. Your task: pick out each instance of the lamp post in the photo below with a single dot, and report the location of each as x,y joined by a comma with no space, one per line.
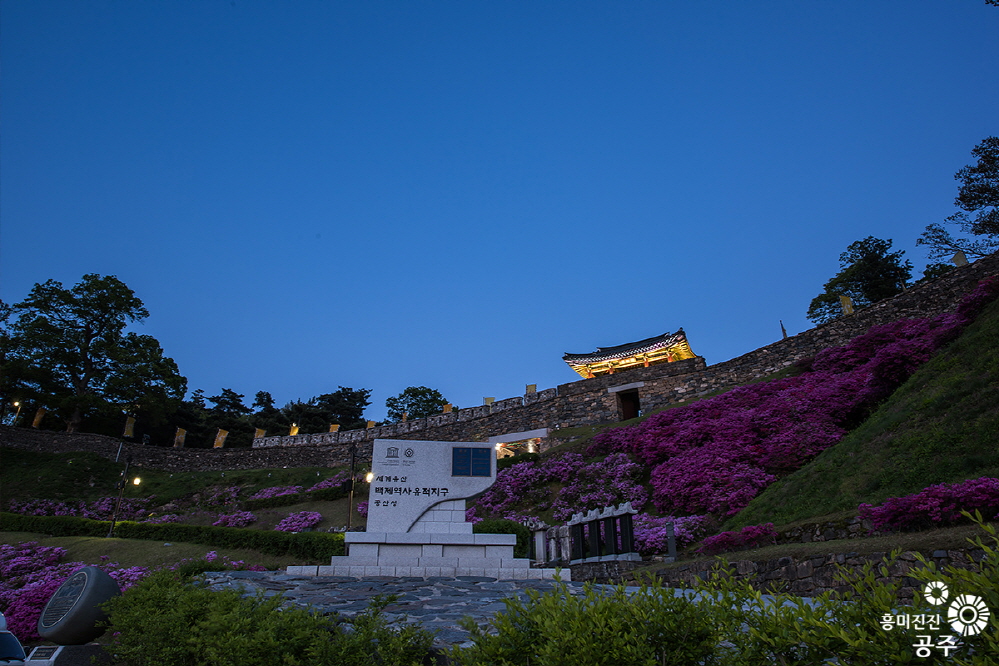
17,414
121,491
350,500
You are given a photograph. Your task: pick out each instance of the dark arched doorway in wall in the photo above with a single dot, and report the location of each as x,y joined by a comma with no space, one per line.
629,404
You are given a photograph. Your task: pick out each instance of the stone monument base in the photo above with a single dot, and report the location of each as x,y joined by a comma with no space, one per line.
448,555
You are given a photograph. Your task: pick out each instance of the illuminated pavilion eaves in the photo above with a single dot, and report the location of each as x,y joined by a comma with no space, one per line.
664,348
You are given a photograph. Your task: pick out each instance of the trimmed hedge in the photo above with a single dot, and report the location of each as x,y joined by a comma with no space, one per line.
499,526
324,495
306,545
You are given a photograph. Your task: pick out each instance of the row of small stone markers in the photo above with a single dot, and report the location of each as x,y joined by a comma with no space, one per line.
416,518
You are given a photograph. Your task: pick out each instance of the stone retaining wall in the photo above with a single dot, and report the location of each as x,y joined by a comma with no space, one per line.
181,460
811,576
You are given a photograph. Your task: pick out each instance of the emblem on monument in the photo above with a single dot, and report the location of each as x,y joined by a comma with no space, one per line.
392,452
409,453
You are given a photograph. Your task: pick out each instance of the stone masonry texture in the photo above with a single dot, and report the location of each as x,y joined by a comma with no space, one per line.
579,403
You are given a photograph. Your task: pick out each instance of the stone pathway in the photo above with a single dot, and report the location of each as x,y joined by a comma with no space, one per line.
438,604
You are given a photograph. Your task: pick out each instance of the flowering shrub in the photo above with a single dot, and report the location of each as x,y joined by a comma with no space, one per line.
585,486
362,509
715,455
470,516
297,522
276,491
223,496
238,519
30,574
130,509
334,481
936,505
651,537
750,536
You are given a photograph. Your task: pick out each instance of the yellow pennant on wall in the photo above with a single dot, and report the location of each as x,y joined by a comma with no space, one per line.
334,427
847,304
371,424
220,438
293,430
178,439
129,427
260,432
39,415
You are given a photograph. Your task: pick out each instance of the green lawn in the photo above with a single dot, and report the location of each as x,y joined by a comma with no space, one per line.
940,426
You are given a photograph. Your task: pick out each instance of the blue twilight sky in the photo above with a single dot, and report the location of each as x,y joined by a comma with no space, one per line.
315,193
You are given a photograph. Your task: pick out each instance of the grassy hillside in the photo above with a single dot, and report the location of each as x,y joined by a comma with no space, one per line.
87,476
942,425
143,553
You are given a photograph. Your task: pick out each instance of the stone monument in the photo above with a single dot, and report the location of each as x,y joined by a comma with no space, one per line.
416,517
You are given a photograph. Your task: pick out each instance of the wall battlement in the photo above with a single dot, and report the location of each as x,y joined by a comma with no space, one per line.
578,403
599,400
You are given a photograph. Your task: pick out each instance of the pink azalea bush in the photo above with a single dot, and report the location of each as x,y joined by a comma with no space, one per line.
715,455
298,522
584,486
652,537
130,509
223,496
277,491
237,519
30,574
935,506
750,536
362,509
334,481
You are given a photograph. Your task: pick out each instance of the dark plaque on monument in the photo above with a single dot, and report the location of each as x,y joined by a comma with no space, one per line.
71,615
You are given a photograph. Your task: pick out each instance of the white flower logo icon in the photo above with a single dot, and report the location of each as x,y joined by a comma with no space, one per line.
936,592
968,614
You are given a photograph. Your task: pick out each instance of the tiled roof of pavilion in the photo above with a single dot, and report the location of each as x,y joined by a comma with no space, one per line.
663,341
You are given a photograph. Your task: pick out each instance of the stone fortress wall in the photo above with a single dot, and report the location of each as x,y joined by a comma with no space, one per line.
541,414
591,401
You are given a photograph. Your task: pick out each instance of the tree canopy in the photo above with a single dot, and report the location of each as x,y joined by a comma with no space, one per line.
869,273
67,350
979,194
416,402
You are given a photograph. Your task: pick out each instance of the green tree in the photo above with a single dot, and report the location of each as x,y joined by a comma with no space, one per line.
869,273
80,357
979,194
264,402
228,403
344,406
416,402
